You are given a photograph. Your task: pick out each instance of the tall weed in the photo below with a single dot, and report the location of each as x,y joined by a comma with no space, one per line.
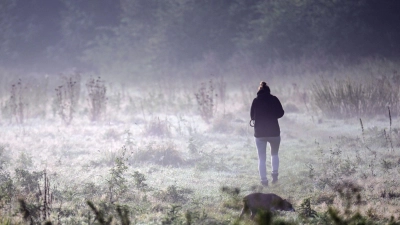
205,98
15,106
97,98
67,97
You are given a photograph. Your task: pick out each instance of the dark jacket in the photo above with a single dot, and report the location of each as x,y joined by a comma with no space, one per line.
266,109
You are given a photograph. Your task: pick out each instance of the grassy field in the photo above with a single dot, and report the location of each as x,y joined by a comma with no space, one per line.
177,152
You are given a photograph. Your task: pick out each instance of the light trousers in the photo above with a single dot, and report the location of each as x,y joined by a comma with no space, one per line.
261,144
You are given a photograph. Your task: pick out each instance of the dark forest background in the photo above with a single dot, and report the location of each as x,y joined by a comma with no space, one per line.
52,35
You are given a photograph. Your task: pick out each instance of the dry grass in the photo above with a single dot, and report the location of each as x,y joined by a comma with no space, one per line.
164,154
183,161
346,98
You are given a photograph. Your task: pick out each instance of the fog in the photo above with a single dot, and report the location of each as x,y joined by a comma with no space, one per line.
138,111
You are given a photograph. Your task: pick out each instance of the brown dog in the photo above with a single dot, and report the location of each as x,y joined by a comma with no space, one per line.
260,201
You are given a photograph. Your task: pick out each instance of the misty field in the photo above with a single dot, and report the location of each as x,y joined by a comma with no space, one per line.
80,149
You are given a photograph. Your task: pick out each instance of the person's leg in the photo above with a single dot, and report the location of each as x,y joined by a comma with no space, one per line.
274,142
261,144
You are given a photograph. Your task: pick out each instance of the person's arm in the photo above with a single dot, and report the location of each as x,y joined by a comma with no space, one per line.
279,109
252,111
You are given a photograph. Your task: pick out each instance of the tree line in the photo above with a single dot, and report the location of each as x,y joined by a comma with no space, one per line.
95,33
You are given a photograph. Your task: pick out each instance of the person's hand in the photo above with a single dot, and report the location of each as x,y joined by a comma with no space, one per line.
252,123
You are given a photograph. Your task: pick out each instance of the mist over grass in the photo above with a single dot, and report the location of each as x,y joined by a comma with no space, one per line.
153,126
151,150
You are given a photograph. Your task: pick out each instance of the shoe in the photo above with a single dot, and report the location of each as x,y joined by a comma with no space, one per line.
275,178
264,183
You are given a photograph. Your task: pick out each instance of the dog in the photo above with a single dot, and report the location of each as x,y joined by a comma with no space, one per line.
268,202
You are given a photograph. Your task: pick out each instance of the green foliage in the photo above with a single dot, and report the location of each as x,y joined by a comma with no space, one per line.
292,28
174,194
117,183
30,212
140,179
175,217
172,218
24,161
350,194
177,32
393,221
306,210
7,188
123,214
5,221
356,219
100,215
103,219
234,201
38,209
7,185
268,218
28,181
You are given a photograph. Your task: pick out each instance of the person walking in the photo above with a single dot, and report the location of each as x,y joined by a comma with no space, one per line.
265,111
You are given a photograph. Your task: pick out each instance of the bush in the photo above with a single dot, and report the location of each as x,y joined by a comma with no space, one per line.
140,180
102,218
6,188
36,209
344,98
233,201
306,210
117,183
28,181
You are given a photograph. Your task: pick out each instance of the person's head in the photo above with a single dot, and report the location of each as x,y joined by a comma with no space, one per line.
264,87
